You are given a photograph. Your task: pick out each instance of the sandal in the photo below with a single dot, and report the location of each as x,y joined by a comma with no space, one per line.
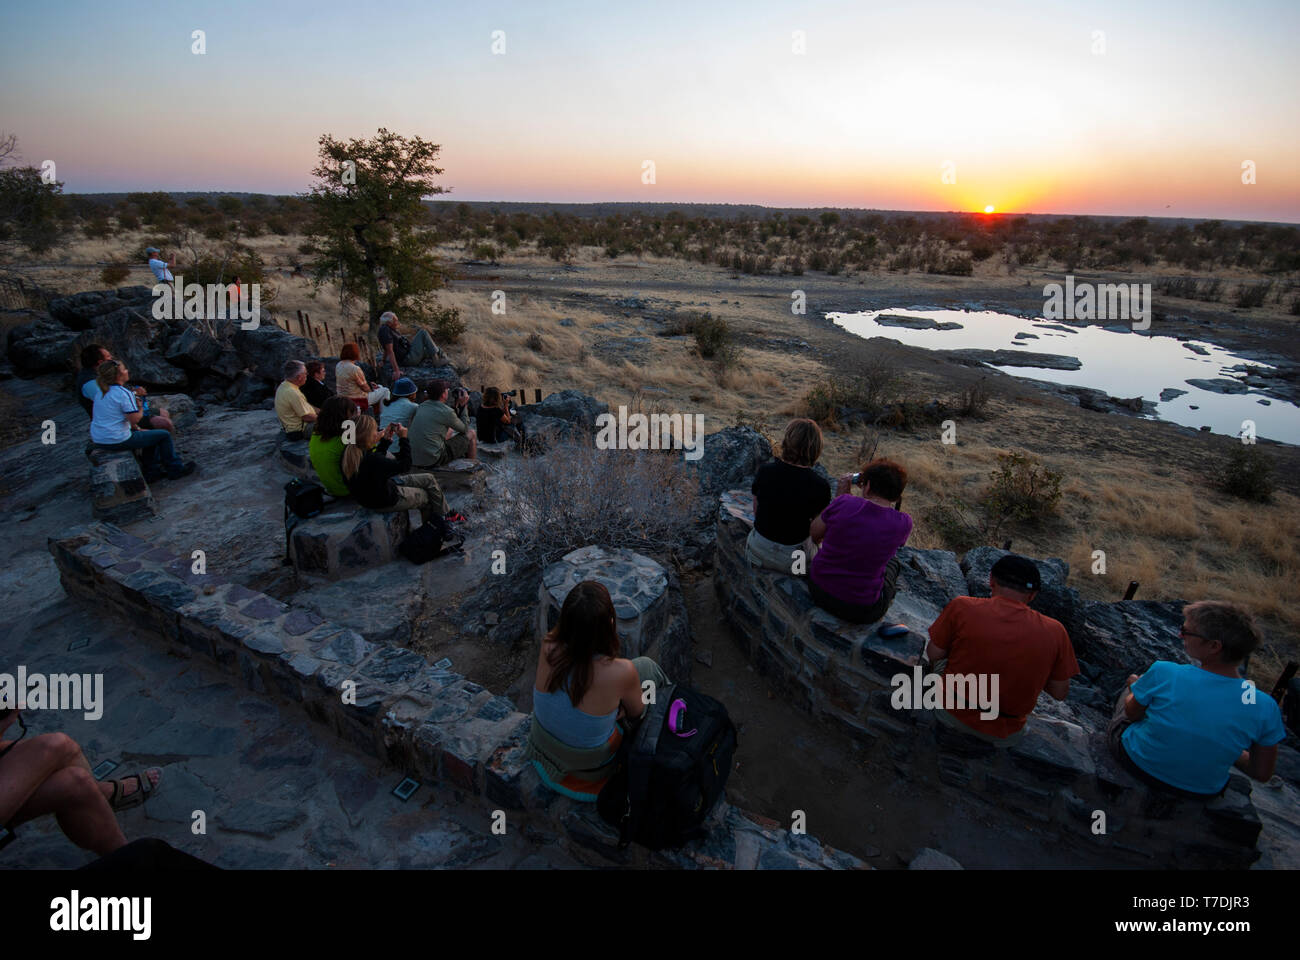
125,801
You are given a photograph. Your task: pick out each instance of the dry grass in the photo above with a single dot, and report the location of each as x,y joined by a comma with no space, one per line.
1157,525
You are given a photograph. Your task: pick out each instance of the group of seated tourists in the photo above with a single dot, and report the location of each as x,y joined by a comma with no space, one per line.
1178,727
384,464
120,418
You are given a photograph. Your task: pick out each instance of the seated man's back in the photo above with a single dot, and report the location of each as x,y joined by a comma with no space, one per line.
1003,637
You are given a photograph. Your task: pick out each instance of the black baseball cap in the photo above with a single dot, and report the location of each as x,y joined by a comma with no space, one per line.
1017,572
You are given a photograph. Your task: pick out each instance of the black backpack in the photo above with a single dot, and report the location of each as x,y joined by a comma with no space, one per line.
425,542
303,498
665,782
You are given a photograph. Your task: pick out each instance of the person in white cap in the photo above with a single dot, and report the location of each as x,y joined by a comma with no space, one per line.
158,266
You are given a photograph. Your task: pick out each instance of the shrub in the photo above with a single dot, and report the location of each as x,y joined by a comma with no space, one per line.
1020,490
639,499
98,229
974,399
113,274
1253,294
713,338
1247,473
448,327
534,342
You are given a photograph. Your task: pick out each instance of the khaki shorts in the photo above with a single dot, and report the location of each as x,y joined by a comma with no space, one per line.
457,448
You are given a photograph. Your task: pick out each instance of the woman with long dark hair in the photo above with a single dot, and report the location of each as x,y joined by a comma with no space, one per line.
583,689
326,445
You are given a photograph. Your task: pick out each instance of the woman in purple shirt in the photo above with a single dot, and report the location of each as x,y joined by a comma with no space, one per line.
853,575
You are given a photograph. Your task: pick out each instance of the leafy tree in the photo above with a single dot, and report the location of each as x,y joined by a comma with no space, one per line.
366,231
29,208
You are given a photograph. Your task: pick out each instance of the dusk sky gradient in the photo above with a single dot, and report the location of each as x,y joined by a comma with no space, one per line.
1010,92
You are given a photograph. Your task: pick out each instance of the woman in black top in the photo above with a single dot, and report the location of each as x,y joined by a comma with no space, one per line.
314,389
494,423
787,496
379,483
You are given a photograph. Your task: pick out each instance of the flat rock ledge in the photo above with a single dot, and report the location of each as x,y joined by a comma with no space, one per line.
423,719
1059,775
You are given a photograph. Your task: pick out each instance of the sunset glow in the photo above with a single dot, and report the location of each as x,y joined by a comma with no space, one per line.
892,108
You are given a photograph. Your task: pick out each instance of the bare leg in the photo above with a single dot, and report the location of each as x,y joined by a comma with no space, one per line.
49,774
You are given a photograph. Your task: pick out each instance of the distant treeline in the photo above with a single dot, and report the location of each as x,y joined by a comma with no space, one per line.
758,240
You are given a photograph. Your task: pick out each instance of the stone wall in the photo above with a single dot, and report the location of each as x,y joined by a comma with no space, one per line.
1060,775
422,718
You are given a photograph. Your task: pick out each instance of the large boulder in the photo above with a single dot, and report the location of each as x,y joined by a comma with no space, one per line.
542,433
183,410
45,346
423,376
1128,636
194,347
933,576
571,406
133,335
731,458
78,310
264,350
1054,600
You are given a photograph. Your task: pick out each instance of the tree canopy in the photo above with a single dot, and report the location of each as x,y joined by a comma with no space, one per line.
366,213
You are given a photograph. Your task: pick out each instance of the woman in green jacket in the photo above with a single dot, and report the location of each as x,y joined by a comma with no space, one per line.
326,445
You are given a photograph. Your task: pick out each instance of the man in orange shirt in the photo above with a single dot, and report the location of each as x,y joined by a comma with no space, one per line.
1000,636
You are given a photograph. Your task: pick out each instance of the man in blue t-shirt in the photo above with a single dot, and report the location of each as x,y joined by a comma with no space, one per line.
1181,727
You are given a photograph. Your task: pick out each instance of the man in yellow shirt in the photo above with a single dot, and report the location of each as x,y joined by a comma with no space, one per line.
295,413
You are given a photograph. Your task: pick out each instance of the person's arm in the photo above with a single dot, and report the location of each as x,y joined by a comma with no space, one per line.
392,359
1133,710
630,699
306,412
942,633
1258,762
817,529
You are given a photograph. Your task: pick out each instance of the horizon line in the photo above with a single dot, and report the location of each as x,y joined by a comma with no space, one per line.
444,198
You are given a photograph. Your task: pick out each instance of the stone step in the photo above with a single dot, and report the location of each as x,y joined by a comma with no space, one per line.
346,539
119,493
467,475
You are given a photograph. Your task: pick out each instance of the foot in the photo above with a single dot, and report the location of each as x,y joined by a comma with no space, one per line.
130,787
185,470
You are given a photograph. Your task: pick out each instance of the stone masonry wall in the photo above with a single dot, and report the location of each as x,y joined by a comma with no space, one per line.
1058,775
422,718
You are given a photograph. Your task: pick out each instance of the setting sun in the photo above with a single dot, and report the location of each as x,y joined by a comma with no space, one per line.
989,208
